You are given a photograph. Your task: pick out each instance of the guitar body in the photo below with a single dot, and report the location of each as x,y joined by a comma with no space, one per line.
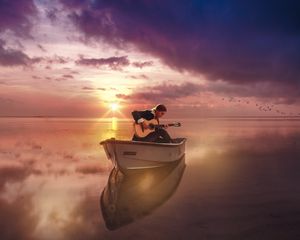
140,132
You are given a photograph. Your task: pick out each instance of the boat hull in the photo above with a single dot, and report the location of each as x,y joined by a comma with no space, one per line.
139,155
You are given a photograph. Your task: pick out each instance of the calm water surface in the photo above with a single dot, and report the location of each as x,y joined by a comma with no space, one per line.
239,180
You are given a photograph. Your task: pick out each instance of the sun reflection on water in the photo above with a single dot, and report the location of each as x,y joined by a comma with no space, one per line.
114,123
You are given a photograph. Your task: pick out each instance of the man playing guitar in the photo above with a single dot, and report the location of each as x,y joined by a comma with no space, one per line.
144,119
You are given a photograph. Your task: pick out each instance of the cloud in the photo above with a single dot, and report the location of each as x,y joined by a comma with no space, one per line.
279,93
163,92
69,76
57,59
141,76
41,47
16,16
142,64
88,88
92,88
265,91
237,42
35,77
51,60
115,63
12,57
52,14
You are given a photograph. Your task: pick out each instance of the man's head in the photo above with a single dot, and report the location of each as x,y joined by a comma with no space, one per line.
160,110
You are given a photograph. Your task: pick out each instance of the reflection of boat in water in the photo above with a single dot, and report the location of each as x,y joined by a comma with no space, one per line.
137,155
133,194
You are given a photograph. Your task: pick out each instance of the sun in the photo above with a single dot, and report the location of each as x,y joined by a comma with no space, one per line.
114,109
114,106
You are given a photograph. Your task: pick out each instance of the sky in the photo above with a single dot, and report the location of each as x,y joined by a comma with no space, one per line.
75,58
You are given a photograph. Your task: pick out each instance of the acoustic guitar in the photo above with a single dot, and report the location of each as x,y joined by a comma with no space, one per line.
139,130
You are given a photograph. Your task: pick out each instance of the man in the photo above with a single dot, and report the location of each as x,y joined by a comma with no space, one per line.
160,134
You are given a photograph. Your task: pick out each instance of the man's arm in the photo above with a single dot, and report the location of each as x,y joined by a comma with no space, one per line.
139,117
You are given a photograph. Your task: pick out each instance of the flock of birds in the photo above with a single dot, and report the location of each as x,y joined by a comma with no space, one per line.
262,107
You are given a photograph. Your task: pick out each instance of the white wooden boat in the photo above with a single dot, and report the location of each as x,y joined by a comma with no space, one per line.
138,155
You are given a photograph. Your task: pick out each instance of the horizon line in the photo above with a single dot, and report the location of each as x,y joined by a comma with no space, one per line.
221,116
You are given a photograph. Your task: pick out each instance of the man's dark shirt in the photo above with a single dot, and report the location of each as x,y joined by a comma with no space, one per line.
138,116
159,135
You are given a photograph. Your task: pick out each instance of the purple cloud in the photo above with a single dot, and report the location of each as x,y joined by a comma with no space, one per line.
15,16
57,59
50,60
163,92
12,57
115,63
279,93
143,64
52,14
41,47
237,42
166,92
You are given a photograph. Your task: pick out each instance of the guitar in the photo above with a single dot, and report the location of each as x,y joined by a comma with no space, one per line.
139,130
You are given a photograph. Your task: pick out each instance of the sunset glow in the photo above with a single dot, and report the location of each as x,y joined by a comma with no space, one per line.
149,119
201,67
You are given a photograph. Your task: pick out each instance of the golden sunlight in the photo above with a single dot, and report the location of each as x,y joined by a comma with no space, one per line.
114,123
114,110
114,106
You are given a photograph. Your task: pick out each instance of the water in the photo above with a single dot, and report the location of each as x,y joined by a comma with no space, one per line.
239,180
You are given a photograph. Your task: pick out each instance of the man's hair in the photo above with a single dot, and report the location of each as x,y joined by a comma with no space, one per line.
160,108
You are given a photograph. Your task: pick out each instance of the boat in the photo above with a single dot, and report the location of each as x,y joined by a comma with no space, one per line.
138,155
136,193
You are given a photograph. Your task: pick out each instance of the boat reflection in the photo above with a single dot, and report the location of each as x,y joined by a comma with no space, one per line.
133,194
